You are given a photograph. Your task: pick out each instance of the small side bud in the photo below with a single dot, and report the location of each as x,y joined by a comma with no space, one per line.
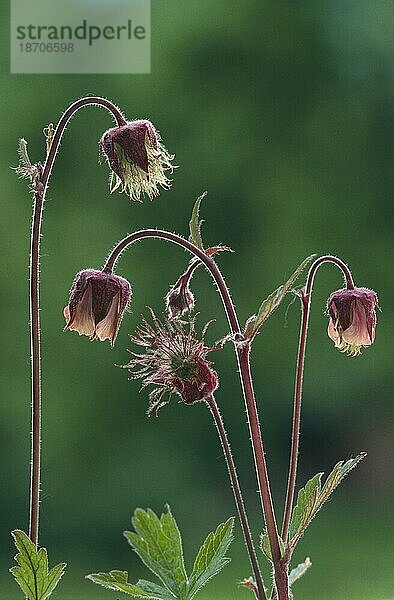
25,169
352,319
97,303
180,299
137,158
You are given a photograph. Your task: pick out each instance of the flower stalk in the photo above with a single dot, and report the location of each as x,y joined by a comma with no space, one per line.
305,298
242,351
173,361
232,471
40,186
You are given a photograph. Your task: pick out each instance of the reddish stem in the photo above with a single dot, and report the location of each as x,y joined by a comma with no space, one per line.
34,299
242,351
239,502
295,438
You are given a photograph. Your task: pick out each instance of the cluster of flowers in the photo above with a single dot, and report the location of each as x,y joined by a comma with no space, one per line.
174,361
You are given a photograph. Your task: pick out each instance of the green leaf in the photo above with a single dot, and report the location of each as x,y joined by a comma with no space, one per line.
32,574
266,547
211,557
23,154
156,590
307,500
158,544
118,581
299,570
195,223
311,498
272,302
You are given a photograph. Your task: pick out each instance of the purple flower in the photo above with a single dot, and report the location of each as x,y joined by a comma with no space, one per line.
137,159
352,319
173,362
97,303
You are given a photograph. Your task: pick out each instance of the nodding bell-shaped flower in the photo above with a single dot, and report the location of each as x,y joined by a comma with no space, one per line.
352,319
97,303
137,158
173,362
180,299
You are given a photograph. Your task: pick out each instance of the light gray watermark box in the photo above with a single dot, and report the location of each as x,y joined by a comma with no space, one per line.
80,36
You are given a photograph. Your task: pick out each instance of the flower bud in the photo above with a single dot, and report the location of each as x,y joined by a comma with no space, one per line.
180,299
137,159
97,304
352,319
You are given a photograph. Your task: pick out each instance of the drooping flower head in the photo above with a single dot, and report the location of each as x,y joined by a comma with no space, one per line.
97,303
352,319
173,362
137,158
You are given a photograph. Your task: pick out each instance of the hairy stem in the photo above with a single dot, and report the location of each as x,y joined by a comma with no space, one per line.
242,349
305,298
232,471
280,569
40,189
208,262
35,346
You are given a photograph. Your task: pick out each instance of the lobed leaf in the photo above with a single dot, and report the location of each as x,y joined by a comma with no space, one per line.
311,498
32,574
211,557
272,302
158,544
195,223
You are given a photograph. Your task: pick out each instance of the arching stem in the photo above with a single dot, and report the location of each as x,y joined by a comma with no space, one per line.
242,349
40,189
305,297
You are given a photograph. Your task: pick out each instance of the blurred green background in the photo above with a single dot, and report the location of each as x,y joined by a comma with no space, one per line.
283,112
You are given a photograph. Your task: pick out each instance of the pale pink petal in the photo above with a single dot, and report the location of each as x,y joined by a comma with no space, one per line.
333,334
106,329
66,313
357,334
83,320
